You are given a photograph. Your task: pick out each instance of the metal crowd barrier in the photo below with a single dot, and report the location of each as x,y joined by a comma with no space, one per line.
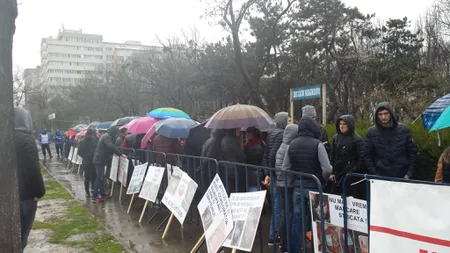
365,178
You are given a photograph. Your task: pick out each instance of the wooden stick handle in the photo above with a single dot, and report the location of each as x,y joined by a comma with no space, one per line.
120,193
167,227
234,251
199,242
143,211
131,202
112,188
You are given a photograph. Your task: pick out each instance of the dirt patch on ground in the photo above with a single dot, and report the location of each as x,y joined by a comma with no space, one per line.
51,210
38,243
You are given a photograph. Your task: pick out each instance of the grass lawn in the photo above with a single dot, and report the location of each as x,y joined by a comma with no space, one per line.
76,221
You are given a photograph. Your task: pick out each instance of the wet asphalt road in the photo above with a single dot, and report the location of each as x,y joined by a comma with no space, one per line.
142,237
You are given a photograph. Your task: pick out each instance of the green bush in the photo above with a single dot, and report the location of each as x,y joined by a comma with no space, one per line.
427,145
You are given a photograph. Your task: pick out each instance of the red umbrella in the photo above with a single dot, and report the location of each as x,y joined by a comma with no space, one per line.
71,133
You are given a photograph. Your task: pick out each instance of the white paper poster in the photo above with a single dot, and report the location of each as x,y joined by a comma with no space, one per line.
136,179
152,182
215,212
333,210
246,209
70,153
114,168
179,194
74,155
409,217
123,170
78,160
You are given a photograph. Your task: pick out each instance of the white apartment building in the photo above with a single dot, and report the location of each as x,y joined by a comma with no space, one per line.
66,58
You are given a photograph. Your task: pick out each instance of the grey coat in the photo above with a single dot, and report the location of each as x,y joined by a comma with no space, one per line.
289,135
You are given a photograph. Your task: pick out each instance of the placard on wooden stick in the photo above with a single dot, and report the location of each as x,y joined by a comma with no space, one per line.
150,186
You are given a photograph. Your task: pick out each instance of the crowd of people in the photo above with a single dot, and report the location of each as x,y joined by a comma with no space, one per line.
388,150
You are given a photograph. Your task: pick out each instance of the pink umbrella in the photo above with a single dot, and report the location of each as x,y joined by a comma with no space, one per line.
140,125
147,137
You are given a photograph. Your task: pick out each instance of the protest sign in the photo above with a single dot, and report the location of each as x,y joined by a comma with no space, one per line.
215,212
114,168
74,155
136,179
409,217
333,212
179,194
152,182
246,210
123,170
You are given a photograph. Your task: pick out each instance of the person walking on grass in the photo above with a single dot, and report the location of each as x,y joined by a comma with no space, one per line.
58,138
104,151
86,150
31,183
44,141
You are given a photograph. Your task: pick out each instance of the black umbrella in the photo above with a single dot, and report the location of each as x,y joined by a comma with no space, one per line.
197,137
123,121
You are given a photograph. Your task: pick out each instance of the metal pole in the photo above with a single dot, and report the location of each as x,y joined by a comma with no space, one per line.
324,104
291,105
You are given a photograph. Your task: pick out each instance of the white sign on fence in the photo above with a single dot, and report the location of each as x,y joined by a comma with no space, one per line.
114,168
215,212
246,210
152,182
136,179
179,194
74,155
333,210
70,153
123,170
409,217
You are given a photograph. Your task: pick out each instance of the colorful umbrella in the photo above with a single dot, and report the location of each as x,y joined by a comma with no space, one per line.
140,125
71,133
104,126
434,111
443,121
167,112
170,128
240,116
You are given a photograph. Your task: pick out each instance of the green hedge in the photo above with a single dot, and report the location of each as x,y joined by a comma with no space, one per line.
427,144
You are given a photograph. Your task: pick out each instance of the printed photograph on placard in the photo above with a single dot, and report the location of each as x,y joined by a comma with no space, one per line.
207,218
315,201
361,242
334,239
175,178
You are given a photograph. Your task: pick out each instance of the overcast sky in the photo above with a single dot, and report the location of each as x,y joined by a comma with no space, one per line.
142,20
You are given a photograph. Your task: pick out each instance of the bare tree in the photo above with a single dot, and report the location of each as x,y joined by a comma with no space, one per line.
9,197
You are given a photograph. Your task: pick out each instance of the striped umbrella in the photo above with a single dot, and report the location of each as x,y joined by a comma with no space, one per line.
168,112
240,116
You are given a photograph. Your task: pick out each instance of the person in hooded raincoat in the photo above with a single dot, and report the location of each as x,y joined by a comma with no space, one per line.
289,135
31,183
45,140
58,138
104,151
273,143
346,156
86,150
305,154
390,150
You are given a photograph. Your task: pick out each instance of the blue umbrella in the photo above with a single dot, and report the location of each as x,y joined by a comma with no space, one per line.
175,127
443,121
432,113
104,125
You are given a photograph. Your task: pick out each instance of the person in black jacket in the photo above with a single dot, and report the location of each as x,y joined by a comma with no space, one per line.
86,150
305,154
310,111
346,156
273,143
31,183
232,152
104,151
389,149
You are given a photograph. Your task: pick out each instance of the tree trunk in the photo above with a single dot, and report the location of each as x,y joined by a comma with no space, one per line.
9,193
